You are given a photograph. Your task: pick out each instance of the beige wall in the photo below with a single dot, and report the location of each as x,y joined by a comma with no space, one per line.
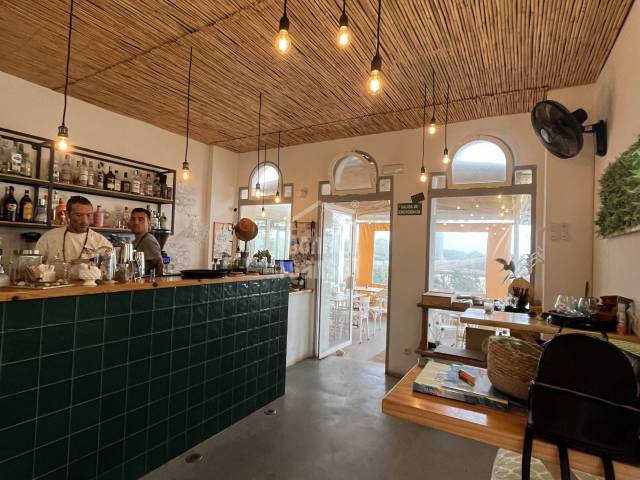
617,101
29,108
305,165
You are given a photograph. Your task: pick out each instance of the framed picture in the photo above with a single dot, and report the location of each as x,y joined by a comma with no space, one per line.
222,244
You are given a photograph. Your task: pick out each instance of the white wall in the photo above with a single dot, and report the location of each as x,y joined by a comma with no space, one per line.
305,165
617,101
300,325
29,108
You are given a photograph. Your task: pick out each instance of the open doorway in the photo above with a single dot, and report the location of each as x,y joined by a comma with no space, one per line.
353,291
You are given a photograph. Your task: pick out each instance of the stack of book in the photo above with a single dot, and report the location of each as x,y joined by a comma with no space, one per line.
443,380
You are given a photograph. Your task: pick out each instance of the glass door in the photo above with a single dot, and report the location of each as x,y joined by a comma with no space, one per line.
336,279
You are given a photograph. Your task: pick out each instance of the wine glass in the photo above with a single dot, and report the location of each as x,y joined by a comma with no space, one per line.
588,306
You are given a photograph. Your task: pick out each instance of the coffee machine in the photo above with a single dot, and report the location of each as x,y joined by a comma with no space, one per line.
162,236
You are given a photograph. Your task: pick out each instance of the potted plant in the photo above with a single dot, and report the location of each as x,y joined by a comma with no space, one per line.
519,286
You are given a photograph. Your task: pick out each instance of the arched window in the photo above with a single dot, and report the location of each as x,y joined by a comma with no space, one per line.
483,161
269,178
354,172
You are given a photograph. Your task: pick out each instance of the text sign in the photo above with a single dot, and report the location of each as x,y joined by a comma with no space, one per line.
409,209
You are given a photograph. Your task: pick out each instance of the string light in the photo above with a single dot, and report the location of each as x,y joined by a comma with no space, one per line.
282,40
423,171
375,83
277,199
257,189
264,169
344,34
432,123
62,144
185,164
445,156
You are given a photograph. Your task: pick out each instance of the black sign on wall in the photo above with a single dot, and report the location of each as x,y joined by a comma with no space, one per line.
409,209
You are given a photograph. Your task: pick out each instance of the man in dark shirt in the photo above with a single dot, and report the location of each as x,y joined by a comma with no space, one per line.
144,241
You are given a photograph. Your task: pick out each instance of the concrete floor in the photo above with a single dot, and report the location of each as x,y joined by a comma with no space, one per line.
330,426
368,349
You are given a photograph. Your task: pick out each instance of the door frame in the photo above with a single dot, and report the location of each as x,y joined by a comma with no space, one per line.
367,197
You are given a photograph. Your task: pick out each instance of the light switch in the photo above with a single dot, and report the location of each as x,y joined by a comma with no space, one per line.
564,231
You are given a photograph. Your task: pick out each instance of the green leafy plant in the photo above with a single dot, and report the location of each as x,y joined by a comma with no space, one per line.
524,267
620,194
260,254
509,266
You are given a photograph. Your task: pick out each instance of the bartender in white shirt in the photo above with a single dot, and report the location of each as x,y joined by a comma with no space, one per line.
76,240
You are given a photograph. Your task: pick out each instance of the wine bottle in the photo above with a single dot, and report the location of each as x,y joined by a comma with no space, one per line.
110,181
26,208
125,184
10,207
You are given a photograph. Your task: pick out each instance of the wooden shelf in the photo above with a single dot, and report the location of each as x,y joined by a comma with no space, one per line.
44,226
34,182
109,193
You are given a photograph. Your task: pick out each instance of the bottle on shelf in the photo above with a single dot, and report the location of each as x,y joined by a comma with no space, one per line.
83,174
65,173
25,213
10,207
163,221
135,183
16,158
117,183
125,184
143,185
126,216
60,216
55,175
163,186
75,173
98,217
6,194
110,181
100,176
148,191
157,189
91,175
26,168
41,213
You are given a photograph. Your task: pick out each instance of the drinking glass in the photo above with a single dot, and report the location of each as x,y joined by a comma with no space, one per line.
588,305
488,307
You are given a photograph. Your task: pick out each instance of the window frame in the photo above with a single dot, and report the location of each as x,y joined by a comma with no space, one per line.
480,190
508,153
359,191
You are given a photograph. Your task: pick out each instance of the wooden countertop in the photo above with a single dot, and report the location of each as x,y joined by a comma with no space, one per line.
10,294
502,429
524,323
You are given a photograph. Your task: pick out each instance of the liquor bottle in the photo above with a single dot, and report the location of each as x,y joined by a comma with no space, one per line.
125,184
41,214
5,156
26,208
65,174
98,217
135,183
83,174
163,221
60,216
6,194
148,191
26,169
157,189
143,185
117,183
110,181
75,173
100,183
16,158
91,175
55,175
10,207
126,216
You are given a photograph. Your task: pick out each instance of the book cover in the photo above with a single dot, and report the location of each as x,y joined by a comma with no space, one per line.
442,380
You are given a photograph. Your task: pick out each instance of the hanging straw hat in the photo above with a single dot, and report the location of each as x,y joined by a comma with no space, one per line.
246,230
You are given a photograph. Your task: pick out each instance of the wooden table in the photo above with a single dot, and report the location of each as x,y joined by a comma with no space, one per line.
374,290
521,322
502,429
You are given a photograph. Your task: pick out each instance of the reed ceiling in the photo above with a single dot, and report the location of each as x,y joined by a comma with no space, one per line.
131,57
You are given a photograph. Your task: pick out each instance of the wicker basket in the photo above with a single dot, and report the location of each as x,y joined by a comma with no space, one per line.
511,365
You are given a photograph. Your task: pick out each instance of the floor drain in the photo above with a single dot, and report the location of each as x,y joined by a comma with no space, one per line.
270,411
193,458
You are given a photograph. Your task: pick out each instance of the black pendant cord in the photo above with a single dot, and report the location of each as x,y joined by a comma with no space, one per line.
446,118
66,80
344,7
264,170
259,120
433,94
378,29
186,149
285,9
424,121
279,152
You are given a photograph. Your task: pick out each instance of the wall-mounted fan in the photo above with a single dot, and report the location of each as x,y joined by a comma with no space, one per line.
560,130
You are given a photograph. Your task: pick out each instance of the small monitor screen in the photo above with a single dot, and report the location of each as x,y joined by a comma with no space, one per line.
285,265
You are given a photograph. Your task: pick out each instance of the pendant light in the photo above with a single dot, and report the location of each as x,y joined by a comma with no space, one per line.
264,169
445,156
432,123
257,189
344,34
423,171
185,164
282,40
62,143
277,199
374,83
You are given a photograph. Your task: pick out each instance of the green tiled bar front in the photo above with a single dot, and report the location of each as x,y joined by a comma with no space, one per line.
111,386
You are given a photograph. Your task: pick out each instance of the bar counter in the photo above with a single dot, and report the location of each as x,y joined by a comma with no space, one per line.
112,381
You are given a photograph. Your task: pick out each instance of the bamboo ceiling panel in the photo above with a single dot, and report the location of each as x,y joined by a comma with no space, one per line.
130,56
